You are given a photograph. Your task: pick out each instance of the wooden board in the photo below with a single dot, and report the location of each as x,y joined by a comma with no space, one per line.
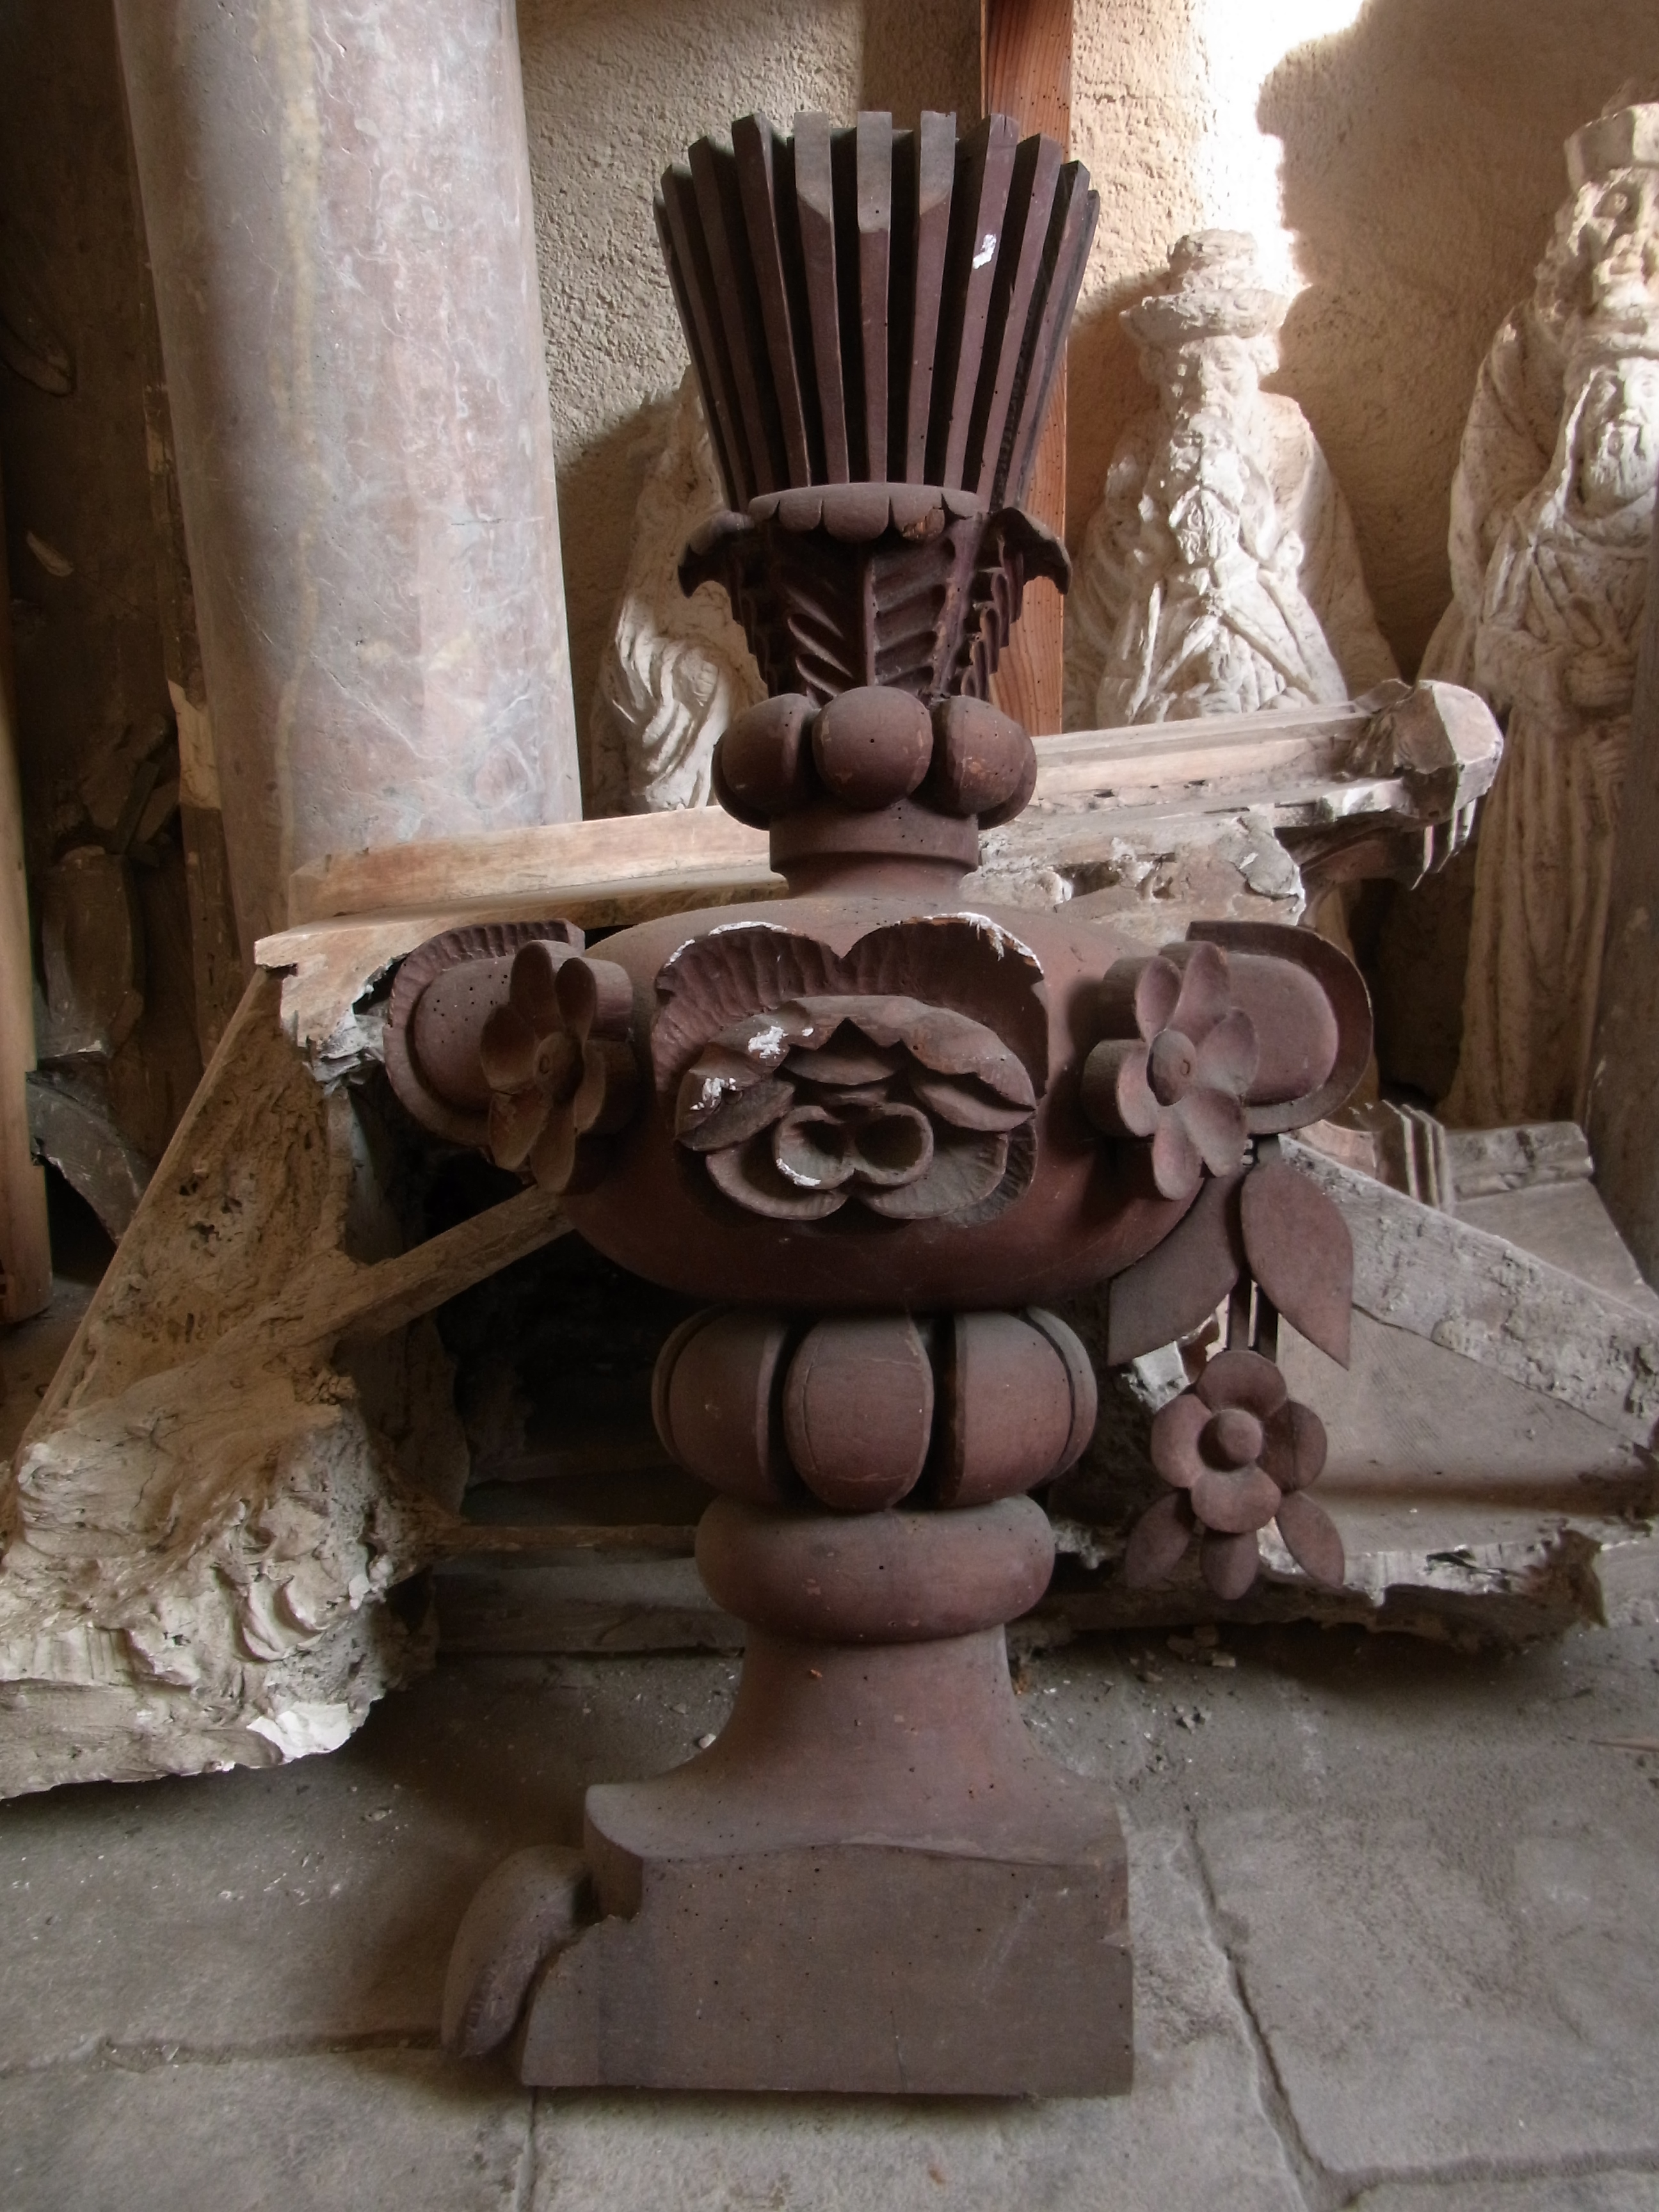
25,1247
1025,71
1403,770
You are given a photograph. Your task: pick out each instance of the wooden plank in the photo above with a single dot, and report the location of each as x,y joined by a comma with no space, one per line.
686,253
1025,71
719,208
754,144
815,204
1404,771
1432,745
985,170
936,161
25,1245
507,864
1424,1272
873,200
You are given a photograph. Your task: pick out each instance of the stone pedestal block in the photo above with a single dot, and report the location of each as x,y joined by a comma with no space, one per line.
873,1882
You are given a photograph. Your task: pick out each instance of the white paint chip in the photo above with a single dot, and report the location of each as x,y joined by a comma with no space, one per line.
301,1730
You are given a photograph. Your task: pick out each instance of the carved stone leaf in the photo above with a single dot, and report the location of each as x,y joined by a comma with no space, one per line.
968,1164
716,980
967,962
1180,1281
1158,1542
1301,1253
1311,1539
1230,1563
733,1117
1235,1501
749,1176
964,964
966,1102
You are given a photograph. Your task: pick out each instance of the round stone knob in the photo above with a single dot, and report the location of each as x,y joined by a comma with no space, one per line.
1018,1404
858,1411
876,1577
764,761
984,763
872,746
713,1397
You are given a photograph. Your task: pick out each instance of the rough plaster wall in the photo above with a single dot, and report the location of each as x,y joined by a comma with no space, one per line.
614,91
1412,149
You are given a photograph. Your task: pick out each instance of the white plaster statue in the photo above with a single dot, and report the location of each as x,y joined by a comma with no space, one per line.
1552,510
676,670
1219,573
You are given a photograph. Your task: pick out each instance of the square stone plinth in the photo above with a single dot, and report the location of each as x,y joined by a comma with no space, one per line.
851,1966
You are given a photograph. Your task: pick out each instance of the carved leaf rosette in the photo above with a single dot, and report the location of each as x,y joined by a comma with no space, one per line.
899,1080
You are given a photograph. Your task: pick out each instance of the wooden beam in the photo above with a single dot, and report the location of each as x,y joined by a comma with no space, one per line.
1426,1272
1432,740
1392,781
25,1245
1025,71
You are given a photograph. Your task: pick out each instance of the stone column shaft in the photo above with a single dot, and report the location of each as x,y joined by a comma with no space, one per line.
336,196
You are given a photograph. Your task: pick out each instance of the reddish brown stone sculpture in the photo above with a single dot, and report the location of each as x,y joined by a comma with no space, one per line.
887,1129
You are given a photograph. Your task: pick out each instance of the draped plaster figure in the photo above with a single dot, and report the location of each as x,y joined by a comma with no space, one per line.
1551,509
1219,573
677,669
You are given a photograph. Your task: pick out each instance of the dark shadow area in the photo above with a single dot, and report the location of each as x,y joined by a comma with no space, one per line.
1422,169
81,1246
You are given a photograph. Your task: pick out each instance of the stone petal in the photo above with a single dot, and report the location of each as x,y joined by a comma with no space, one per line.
1176,1428
1157,1542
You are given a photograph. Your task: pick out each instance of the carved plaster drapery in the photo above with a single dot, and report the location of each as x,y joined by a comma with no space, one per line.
1552,510
1219,573
677,668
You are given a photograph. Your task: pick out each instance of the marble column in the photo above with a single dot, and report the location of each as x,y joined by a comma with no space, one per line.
336,196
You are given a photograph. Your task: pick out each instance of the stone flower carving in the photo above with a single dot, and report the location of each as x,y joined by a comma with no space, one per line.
1237,1452
1180,1080
912,1111
561,1070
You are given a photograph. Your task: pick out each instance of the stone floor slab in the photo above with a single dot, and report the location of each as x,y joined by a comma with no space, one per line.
1192,2135
368,2132
1553,2192
1444,1913
250,1910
